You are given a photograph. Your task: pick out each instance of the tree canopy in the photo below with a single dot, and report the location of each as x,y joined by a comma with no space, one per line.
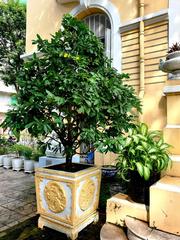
12,39
72,90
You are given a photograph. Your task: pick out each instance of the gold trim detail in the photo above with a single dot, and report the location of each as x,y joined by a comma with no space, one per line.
55,197
86,194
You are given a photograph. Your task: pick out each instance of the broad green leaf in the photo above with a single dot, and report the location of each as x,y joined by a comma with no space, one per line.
140,168
144,129
146,173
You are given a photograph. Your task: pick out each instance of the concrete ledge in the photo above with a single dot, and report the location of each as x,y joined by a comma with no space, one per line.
120,206
164,205
174,170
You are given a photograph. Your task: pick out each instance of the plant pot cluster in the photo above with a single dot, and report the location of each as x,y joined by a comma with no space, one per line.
19,157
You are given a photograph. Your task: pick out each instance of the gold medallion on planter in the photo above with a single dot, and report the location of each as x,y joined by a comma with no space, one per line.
55,197
86,194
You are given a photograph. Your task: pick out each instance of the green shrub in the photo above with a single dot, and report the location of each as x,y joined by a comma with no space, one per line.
143,151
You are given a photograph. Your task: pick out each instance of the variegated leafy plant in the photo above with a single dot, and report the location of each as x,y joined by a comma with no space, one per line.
143,151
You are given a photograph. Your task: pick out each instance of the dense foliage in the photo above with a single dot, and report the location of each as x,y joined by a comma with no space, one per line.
72,90
143,151
12,39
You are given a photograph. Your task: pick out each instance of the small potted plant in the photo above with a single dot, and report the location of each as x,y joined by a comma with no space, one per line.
28,162
142,157
18,162
172,62
2,154
35,157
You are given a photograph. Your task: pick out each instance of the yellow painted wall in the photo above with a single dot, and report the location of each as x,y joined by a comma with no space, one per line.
155,6
44,17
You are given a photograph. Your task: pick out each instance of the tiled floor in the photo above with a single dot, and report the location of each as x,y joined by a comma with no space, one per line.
17,197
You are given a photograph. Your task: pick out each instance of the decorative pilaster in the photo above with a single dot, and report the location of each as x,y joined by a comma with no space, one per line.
172,129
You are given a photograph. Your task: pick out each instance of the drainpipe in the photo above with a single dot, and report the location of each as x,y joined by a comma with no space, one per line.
141,43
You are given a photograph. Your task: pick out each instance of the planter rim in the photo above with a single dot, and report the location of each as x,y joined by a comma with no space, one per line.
64,173
173,55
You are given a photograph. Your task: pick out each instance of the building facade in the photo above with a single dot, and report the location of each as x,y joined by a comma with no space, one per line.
136,35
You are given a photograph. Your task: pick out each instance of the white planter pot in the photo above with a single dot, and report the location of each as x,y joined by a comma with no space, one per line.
7,162
171,64
29,166
67,201
1,160
17,164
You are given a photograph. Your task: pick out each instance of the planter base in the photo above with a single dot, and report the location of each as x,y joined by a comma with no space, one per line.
72,233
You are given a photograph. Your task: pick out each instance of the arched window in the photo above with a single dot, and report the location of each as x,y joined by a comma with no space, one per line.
101,26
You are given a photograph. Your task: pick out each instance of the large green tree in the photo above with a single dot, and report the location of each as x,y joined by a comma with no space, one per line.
12,39
72,90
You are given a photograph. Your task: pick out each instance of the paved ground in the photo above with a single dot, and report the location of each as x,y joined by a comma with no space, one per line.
17,198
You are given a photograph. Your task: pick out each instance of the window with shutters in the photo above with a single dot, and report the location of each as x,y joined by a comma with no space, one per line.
101,26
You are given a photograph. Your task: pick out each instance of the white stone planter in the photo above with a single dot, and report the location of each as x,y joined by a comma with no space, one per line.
171,65
17,164
1,160
28,166
67,201
7,161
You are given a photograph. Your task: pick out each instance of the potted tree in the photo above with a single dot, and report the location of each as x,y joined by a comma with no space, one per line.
73,91
143,155
172,62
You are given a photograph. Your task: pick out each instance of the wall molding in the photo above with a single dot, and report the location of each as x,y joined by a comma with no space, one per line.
148,19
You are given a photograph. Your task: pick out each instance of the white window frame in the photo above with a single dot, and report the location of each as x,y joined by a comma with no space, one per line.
93,21
114,16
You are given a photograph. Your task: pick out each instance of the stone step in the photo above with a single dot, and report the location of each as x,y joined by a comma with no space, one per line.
175,168
120,206
112,232
164,205
139,230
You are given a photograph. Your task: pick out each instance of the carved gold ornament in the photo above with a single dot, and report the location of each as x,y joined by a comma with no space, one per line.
86,195
55,197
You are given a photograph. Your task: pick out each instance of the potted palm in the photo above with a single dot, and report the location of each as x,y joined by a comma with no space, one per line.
142,157
70,91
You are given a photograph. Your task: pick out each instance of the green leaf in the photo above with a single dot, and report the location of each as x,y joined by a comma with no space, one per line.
144,129
140,168
146,173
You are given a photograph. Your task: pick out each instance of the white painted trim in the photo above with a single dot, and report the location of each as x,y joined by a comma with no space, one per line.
114,16
173,126
148,19
171,89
